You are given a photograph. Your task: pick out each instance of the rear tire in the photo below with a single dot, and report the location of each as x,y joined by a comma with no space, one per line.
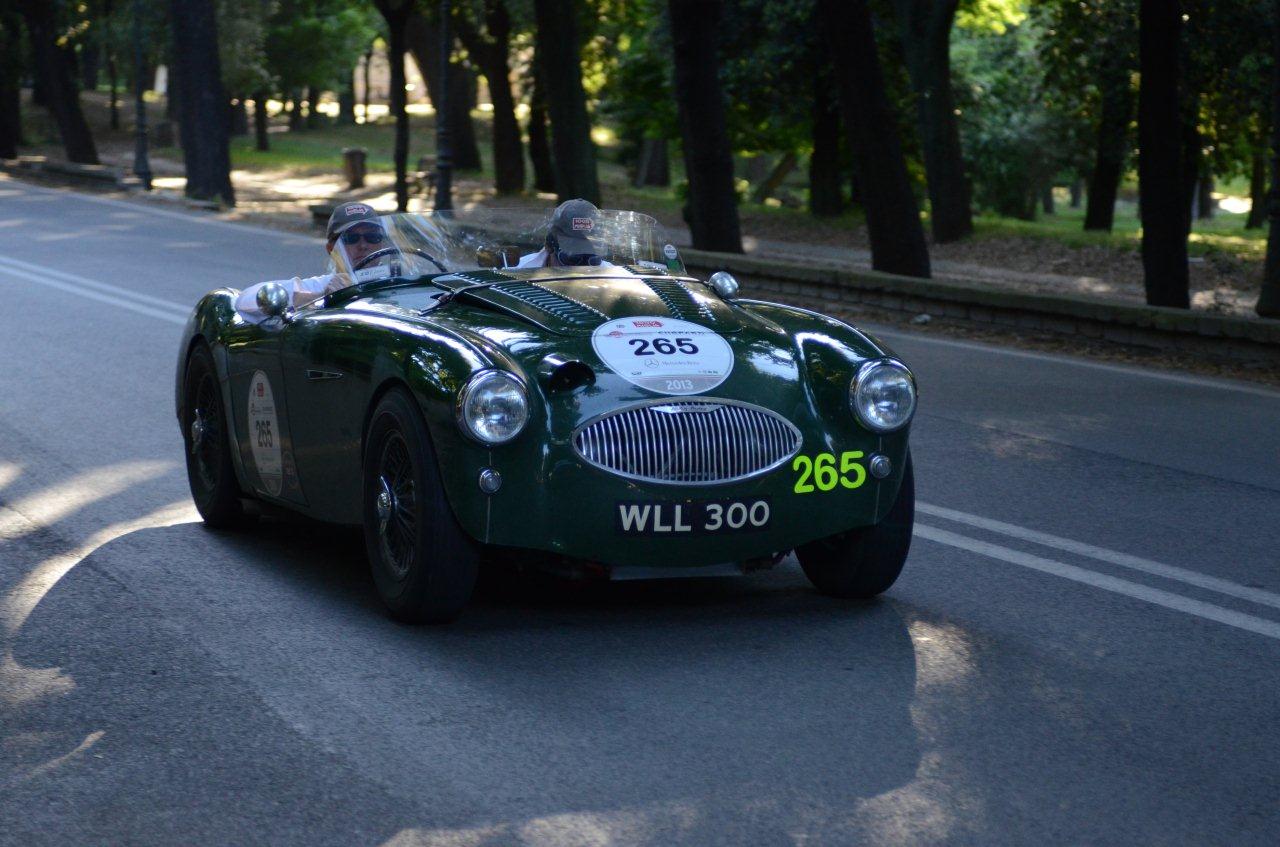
210,471
866,561
424,564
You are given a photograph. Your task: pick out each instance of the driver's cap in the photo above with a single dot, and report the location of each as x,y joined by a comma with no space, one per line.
347,214
573,223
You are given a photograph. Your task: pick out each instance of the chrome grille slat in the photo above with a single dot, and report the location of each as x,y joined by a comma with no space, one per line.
692,441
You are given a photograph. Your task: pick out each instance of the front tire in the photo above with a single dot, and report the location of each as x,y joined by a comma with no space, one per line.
424,564
210,473
866,561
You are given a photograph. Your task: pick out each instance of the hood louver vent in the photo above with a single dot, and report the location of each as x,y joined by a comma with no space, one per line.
679,301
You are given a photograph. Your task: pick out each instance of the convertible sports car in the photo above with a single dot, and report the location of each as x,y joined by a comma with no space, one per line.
615,417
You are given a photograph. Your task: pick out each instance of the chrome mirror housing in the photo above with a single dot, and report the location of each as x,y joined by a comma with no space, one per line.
273,299
723,283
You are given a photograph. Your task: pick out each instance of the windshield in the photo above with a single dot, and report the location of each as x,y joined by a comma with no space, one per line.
412,245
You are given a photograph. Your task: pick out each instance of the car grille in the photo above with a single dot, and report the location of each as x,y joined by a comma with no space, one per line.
688,442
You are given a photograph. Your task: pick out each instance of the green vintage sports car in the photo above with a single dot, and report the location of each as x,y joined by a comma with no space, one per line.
615,416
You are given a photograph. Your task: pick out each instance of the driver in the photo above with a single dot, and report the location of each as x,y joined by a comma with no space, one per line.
354,232
568,242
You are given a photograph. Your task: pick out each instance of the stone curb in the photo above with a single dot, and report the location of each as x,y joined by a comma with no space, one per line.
952,296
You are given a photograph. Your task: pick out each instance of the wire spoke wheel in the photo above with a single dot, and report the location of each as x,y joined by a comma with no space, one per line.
396,506
206,431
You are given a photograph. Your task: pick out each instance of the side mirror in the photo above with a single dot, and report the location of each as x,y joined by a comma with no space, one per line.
273,299
723,283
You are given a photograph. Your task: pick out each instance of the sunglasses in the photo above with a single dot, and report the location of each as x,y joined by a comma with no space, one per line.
352,238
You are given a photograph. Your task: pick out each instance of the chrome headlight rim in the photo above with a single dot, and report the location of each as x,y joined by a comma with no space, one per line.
468,391
859,380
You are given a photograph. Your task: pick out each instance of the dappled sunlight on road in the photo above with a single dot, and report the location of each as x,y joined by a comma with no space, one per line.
52,504
21,685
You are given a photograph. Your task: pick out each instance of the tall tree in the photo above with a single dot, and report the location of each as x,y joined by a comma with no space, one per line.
202,104
926,41
490,47
10,94
544,171
1269,298
559,47
1113,140
422,37
893,218
396,13
1160,177
713,204
825,195
55,70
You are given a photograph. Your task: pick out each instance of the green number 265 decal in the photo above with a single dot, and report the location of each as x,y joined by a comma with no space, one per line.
820,472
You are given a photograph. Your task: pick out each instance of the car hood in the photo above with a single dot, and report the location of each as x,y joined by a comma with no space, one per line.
573,301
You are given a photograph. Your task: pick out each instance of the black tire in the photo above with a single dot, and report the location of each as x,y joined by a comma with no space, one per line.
210,473
866,561
424,564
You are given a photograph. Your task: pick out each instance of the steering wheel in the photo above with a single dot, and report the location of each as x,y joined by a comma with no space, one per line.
387,251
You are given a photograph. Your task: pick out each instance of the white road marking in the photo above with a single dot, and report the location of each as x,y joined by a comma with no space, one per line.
189,217
119,300
1184,379
1156,596
104,287
1102,554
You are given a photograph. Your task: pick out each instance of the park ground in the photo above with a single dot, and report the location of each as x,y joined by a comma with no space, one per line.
1052,254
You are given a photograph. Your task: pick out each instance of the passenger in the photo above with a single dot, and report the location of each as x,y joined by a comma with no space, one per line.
568,242
355,230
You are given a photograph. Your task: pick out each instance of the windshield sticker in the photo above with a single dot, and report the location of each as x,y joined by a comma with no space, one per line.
670,251
264,434
664,355
375,272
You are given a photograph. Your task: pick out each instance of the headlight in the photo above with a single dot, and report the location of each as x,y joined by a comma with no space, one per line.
883,395
493,407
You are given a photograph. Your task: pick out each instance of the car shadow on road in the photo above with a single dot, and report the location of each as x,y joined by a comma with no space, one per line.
686,708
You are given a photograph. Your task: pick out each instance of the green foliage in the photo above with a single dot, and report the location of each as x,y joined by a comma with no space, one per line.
1011,133
317,42
242,44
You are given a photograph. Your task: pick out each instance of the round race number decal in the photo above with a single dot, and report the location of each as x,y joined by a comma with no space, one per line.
665,355
264,434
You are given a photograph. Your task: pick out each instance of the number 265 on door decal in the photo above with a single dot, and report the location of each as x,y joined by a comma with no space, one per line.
822,473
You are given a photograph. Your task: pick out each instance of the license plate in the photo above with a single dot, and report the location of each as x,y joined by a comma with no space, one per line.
691,517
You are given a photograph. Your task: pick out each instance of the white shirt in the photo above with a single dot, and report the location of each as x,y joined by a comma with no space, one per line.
301,291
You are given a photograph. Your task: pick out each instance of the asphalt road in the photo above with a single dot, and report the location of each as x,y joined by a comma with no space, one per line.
1083,647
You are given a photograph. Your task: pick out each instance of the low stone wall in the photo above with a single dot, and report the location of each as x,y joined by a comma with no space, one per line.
826,287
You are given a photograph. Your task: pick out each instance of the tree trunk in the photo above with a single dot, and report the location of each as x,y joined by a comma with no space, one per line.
1160,178
395,53
653,167
262,138
347,100
825,198
1257,192
1192,154
423,40
313,107
113,79
1077,192
90,61
1046,200
294,110
55,71
544,174
893,218
491,51
926,41
708,157
1113,144
202,103
769,186
1207,205
239,117
559,53
368,61
10,90
1269,297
